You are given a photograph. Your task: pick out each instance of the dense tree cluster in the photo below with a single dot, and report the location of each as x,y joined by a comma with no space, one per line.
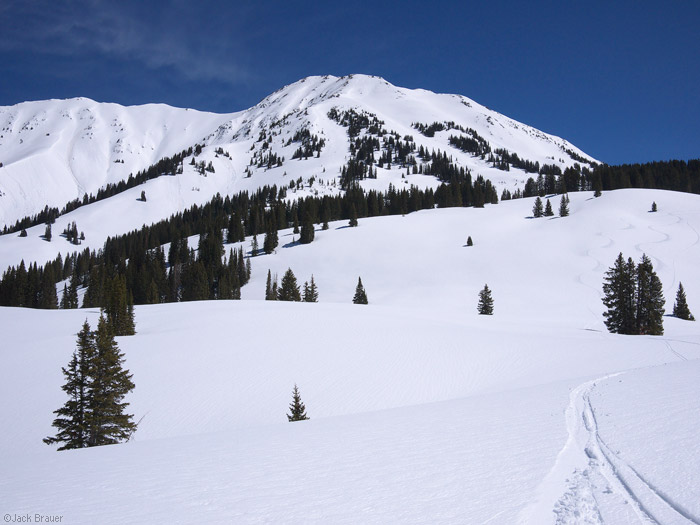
310,144
634,298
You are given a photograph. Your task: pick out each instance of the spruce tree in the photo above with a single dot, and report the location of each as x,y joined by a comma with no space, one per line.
469,241
311,292
106,422
360,294
296,407
564,207
680,308
73,416
653,207
650,300
537,208
485,306
254,246
353,216
307,230
289,290
271,287
271,238
72,300
548,209
619,297
47,233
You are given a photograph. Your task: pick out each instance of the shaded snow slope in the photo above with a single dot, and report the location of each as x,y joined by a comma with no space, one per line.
58,150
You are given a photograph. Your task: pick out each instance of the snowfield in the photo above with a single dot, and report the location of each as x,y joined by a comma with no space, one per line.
421,410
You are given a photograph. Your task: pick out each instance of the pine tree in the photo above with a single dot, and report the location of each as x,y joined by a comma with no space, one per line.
64,298
469,241
296,407
47,233
653,207
254,246
353,216
106,422
270,287
548,209
650,299
485,306
289,290
680,308
634,298
72,300
73,416
564,207
619,297
311,292
537,208
119,306
360,294
307,230
271,238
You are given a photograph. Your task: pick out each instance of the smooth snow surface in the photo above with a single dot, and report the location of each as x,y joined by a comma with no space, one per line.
421,410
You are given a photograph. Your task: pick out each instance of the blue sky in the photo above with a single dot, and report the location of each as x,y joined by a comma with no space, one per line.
621,79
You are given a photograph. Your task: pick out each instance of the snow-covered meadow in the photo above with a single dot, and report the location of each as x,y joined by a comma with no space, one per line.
421,410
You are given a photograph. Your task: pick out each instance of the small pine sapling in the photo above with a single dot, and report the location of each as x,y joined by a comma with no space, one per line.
296,407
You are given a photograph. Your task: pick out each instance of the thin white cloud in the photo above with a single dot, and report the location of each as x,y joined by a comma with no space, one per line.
80,28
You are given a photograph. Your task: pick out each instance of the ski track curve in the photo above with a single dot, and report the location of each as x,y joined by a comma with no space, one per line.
589,481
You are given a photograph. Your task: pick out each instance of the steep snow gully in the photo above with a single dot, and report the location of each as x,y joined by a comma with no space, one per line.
591,484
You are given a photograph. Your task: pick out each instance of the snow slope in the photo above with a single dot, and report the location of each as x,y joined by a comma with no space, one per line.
422,410
58,150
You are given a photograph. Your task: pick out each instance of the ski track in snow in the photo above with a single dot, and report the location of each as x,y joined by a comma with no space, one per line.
598,482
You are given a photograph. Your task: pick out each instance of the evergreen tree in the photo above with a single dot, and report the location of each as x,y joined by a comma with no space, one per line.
653,207
72,300
485,306
254,246
289,290
311,292
619,297
469,241
47,233
564,206
680,308
307,230
271,288
353,216
650,299
64,298
537,208
118,307
47,292
296,407
73,416
107,423
548,209
360,296
271,238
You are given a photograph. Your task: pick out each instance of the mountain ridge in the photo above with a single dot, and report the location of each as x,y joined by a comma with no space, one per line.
56,151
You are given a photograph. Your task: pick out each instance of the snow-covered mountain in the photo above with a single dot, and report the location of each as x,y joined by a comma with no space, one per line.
56,151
